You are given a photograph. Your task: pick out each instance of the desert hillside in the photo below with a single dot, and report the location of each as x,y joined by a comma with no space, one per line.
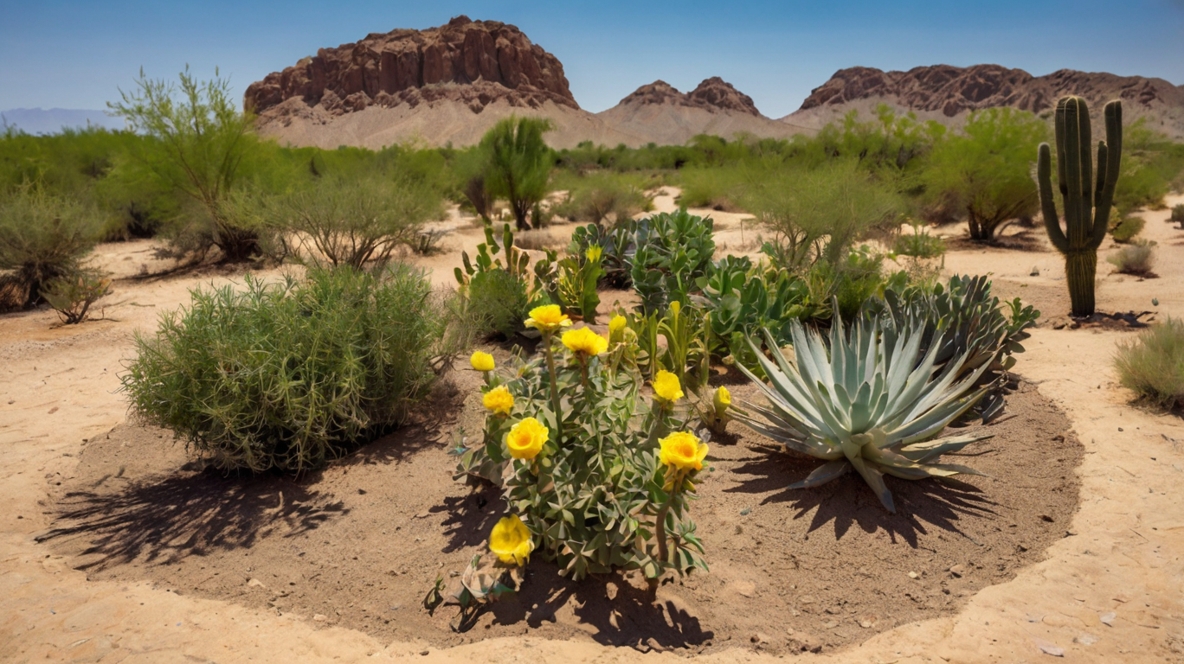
948,94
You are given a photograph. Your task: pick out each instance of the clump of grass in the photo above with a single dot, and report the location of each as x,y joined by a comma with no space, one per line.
1177,215
1127,228
919,244
1137,258
538,240
290,375
72,296
1153,365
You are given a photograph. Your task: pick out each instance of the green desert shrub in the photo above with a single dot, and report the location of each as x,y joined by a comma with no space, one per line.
1127,228
292,374
919,244
1136,258
1177,215
42,237
608,198
72,296
1153,365
673,250
497,302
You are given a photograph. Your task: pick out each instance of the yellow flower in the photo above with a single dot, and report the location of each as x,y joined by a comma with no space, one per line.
682,450
667,387
593,253
585,341
723,399
616,324
510,540
526,438
499,400
547,318
482,361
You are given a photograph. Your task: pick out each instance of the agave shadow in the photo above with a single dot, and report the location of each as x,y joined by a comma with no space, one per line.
848,501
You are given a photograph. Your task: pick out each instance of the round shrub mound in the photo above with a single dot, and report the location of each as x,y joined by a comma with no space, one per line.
289,375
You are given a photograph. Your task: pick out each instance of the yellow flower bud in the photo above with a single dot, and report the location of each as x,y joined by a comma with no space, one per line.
498,400
510,540
616,324
593,253
683,451
666,387
585,341
482,361
547,318
722,399
526,438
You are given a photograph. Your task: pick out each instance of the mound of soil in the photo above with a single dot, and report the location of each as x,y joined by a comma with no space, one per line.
361,543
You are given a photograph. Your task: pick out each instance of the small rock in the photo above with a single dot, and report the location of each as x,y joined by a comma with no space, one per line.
320,617
1108,618
831,624
255,583
866,624
759,638
914,575
1051,649
806,599
745,588
1035,272
957,570
802,641
1086,639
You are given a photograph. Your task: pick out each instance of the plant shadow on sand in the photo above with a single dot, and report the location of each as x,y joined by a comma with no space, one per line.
848,501
164,516
619,612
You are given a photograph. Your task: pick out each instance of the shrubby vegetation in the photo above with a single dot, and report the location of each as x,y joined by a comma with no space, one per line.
1153,365
292,374
43,237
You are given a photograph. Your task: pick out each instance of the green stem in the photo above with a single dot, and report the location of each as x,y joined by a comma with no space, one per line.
554,390
660,532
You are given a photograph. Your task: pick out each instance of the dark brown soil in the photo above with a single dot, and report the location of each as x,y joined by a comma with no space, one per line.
361,543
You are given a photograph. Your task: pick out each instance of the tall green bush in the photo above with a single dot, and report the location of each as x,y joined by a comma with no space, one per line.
986,170
290,375
195,142
519,164
42,237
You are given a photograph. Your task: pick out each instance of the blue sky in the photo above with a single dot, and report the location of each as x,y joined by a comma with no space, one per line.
57,53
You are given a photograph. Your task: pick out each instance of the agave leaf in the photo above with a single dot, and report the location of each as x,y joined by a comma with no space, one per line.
875,479
823,474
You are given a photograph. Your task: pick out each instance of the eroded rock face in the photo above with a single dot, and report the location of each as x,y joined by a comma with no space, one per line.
476,62
713,94
952,90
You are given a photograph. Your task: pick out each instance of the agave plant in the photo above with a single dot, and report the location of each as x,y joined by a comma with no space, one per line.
872,402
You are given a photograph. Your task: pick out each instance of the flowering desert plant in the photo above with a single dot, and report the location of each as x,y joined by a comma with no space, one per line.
600,476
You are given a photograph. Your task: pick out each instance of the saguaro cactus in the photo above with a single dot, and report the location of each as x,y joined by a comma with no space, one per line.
1087,209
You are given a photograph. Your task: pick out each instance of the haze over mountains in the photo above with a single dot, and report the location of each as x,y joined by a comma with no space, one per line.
450,84
53,120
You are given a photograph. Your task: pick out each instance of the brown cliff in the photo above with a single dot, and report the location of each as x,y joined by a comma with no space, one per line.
472,62
943,91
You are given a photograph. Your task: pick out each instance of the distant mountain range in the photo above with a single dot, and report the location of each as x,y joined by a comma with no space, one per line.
53,120
449,85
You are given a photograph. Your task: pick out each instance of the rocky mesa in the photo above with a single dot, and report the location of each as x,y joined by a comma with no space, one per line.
948,93
658,112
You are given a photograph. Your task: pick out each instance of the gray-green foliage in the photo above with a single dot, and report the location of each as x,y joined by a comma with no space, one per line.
42,237
354,219
819,213
1153,365
1136,258
518,164
672,251
196,140
986,169
292,374
871,402
1127,229
72,295
497,286
607,198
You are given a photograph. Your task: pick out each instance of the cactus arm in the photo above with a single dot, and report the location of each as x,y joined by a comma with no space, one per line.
1052,222
1062,179
1105,195
1101,217
1085,139
1073,211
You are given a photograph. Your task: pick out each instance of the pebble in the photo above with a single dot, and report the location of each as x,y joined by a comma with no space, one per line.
320,617
957,570
914,575
1108,618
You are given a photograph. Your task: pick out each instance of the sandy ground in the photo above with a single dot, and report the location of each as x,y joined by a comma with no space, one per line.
1111,590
